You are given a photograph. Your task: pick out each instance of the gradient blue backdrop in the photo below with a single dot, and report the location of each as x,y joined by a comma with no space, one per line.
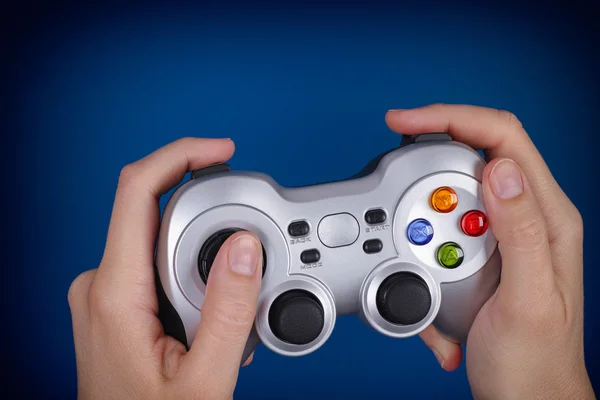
303,92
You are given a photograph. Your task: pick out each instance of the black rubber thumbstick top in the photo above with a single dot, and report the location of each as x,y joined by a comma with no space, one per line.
296,317
211,247
403,298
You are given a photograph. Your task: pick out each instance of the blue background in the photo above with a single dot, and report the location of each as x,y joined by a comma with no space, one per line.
303,92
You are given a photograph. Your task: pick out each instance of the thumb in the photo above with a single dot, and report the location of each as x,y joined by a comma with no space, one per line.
517,222
228,313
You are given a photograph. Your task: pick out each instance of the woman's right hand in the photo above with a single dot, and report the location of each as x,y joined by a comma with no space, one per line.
527,340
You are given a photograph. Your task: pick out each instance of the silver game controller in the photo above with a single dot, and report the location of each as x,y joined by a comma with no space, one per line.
403,244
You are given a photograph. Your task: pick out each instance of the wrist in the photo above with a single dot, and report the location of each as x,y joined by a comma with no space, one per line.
568,383
578,387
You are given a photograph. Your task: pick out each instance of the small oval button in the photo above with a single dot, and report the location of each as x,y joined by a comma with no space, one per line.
372,246
375,216
338,230
310,256
298,228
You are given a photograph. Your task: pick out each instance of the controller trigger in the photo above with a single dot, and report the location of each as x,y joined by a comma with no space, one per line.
210,170
424,137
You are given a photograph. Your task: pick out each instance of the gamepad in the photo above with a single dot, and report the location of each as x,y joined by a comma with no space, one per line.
403,244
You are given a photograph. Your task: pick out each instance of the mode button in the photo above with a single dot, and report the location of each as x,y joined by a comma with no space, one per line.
310,256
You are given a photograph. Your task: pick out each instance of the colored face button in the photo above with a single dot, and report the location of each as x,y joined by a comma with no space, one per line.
474,223
450,255
444,200
419,232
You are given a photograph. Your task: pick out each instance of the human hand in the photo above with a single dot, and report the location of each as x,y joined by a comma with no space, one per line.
527,340
121,349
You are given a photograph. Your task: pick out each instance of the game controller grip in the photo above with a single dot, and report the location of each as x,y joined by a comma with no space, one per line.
168,316
251,344
173,325
462,300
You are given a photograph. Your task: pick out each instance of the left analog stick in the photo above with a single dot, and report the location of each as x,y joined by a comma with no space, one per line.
210,249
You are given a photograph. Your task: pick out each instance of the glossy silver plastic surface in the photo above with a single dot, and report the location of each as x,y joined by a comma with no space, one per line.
345,279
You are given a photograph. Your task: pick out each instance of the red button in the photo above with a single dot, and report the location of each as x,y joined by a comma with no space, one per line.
474,223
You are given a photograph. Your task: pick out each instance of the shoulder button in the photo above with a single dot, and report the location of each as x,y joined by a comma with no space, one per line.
424,137
432,137
211,169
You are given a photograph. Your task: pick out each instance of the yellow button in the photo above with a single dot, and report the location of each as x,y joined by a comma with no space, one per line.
444,200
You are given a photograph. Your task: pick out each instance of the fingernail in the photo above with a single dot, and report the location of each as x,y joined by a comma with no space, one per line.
439,357
243,255
397,109
248,360
505,179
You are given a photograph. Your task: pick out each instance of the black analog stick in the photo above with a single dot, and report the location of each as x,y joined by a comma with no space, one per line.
403,298
296,317
211,247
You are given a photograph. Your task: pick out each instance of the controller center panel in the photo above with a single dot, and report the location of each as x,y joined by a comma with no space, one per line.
335,232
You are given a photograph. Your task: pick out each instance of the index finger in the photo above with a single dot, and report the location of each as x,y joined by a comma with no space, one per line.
129,251
499,133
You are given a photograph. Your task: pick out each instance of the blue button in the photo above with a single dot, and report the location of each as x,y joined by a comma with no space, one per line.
420,232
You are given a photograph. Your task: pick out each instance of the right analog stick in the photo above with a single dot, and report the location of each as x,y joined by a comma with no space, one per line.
296,317
403,298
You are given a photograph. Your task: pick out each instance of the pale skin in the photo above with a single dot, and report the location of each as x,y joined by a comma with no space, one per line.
526,342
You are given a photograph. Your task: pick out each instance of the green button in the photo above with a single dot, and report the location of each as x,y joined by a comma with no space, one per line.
450,255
